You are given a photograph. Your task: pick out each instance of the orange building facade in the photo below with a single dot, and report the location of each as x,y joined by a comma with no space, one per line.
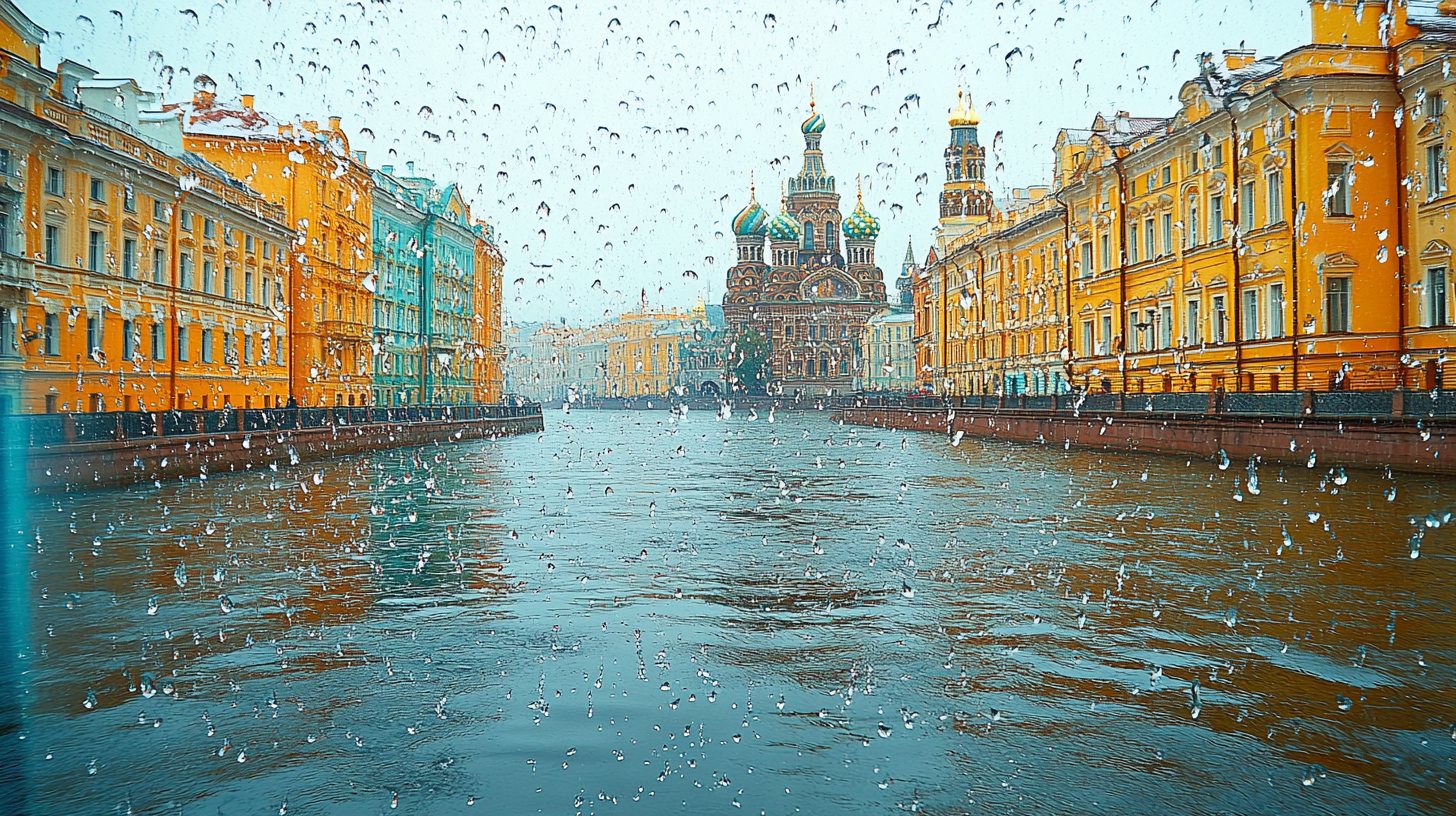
1283,230
326,192
133,275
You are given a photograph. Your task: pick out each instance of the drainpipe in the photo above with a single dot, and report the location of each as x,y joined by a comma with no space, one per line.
294,280
1122,265
427,323
1294,233
1236,238
1402,196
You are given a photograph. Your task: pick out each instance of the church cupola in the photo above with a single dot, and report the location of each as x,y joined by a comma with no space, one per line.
860,231
750,225
784,232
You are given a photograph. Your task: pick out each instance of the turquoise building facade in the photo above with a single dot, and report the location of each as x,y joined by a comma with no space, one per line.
424,287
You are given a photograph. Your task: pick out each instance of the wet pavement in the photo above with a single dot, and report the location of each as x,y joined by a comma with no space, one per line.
639,613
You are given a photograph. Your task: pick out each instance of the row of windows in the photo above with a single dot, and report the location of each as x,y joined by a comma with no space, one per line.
53,250
157,347
815,331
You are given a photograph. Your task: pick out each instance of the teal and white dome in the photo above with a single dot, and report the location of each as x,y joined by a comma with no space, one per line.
860,225
751,220
784,227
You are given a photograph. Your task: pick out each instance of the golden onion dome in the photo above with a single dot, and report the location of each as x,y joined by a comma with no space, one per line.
965,113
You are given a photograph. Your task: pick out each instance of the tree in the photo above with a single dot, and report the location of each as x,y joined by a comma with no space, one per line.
747,363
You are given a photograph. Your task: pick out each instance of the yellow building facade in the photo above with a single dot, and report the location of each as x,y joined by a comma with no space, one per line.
488,366
643,350
326,193
1283,230
133,275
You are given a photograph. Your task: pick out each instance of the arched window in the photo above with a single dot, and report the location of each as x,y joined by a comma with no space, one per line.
831,236
808,235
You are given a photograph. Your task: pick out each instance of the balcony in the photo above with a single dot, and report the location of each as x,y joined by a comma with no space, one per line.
16,271
346,329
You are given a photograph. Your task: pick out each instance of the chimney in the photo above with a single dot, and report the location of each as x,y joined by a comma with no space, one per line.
248,101
285,130
334,123
1120,122
1236,58
387,169
410,166
204,92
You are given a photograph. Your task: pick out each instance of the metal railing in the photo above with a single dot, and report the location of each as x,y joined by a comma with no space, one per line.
44,430
1273,404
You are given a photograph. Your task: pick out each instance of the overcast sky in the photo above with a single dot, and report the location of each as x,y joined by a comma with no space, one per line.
614,143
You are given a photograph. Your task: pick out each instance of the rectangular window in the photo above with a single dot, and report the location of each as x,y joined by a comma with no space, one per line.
184,353
1191,237
207,227
1217,155
1106,248
264,299
4,228
1337,304
98,190
55,182
52,335
1167,233
207,277
1246,206
1165,327
1215,218
1132,244
93,337
1337,191
207,345
247,349
95,251
227,282
159,211
4,161
1192,324
1149,239
248,285
1220,319
129,258
1089,345
159,266
1435,171
128,199
248,243
229,353
187,221
1167,174
1086,259
159,341
1251,315
1104,343
1274,198
53,245
184,271
1276,310
128,342
1436,296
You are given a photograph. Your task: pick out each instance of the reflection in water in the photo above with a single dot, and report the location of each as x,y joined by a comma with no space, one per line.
718,615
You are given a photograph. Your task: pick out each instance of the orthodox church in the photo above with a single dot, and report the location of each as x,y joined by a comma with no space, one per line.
806,278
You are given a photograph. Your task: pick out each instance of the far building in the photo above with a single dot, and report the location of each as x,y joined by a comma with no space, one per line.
810,294
888,352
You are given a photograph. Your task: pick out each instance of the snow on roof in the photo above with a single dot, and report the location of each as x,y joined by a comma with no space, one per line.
221,120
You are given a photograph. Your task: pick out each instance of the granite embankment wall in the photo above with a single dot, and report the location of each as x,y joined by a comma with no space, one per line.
84,465
1401,443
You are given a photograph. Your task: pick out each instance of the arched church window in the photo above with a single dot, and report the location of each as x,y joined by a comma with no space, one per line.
808,235
831,236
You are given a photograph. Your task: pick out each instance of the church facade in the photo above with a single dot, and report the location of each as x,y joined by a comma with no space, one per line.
806,279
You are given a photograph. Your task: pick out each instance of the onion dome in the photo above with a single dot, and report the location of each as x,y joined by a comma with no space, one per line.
784,227
965,113
860,225
751,220
815,122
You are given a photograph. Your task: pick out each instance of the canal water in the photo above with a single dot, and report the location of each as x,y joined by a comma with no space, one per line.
637,613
